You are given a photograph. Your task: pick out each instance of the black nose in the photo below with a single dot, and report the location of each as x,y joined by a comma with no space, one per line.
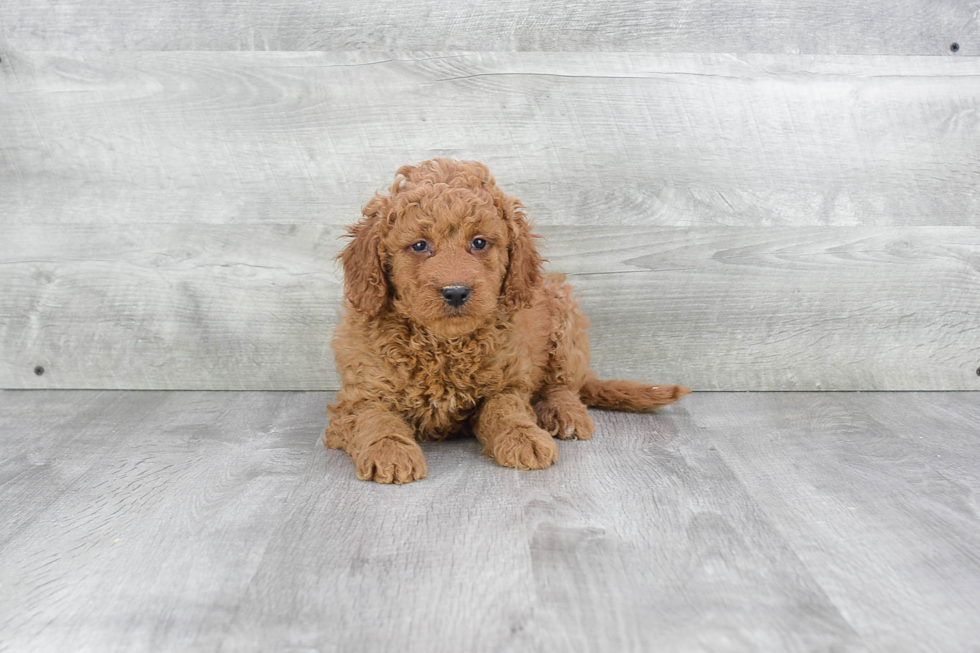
456,296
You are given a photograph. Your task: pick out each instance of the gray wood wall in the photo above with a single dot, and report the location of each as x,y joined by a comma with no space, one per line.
748,195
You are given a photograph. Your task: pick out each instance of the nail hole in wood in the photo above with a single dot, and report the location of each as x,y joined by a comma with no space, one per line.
978,371
39,370
954,47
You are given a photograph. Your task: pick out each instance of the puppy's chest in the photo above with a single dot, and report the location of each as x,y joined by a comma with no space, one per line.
442,388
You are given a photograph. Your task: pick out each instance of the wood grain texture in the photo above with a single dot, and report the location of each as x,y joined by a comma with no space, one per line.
254,306
170,306
583,138
593,536
523,562
217,521
950,449
443,566
792,26
160,532
780,309
849,491
36,470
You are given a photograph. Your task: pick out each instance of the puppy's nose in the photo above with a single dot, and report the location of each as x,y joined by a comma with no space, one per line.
455,295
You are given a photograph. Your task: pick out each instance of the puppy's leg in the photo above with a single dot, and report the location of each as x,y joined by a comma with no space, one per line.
557,405
561,413
505,425
380,442
569,366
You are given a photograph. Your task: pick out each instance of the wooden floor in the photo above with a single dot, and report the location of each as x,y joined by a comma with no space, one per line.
196,521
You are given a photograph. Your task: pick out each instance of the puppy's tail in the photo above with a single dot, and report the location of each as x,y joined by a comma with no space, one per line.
629,396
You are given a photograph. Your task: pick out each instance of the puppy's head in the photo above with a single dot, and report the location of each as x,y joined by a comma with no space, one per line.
445,248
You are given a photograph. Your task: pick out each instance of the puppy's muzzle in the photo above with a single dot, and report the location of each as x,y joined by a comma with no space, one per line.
456,295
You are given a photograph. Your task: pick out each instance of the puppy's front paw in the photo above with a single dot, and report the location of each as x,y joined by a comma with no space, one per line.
525,447
567,420
391,461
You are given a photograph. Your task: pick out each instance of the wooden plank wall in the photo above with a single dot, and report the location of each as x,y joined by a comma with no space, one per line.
758,196
785,27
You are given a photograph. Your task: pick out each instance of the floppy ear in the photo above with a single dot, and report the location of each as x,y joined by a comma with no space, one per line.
365,281
524,268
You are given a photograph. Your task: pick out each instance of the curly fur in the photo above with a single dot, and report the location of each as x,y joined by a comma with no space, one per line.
510,366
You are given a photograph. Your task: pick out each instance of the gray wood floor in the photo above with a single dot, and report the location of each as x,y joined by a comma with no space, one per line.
200,521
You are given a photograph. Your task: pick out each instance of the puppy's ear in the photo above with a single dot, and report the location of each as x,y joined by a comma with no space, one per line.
524,268
365,281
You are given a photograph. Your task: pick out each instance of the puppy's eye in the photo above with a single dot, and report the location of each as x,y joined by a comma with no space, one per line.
420,246
478,243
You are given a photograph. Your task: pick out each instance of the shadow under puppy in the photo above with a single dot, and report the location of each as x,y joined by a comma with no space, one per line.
451,328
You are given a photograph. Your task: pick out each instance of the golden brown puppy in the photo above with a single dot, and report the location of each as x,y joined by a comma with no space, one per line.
451,327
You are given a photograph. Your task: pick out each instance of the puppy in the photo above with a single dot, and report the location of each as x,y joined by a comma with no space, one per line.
450,328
